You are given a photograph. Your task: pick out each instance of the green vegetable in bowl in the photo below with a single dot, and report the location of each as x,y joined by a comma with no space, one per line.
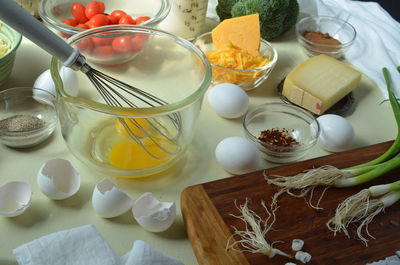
276,16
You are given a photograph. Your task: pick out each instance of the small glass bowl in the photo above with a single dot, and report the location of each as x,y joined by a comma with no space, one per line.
53,12
12,39
246,79
35,102
294,121
335,27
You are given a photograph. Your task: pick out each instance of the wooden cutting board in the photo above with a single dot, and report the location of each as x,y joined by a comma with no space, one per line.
206,210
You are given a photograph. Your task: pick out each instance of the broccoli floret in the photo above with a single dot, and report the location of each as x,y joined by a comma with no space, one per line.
276,16
224,8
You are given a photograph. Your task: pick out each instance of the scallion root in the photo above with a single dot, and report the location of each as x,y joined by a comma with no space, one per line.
306,181
358,208
252,239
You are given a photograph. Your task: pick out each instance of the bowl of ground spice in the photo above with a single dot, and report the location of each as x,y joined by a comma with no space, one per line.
282,132
325,35
28,116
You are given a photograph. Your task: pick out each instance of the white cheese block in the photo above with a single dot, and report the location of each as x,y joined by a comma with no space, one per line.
319,82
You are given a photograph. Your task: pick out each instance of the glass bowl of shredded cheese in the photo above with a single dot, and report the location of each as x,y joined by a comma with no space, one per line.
9,43
236,66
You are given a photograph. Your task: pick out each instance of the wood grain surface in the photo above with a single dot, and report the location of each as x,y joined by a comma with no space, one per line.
206,210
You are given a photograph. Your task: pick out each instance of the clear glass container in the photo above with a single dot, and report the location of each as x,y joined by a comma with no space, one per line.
22,108
167,67
247,79
53,12
295,122
337,28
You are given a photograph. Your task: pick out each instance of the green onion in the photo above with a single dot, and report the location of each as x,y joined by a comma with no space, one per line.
360,209
395,147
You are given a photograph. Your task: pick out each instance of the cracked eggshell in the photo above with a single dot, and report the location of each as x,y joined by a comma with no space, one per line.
153,215
108,201
15,198
58,179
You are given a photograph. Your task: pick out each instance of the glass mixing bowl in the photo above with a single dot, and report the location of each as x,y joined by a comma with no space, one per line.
141,140
53,12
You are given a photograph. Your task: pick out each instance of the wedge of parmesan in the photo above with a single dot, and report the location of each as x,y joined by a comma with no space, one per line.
319,82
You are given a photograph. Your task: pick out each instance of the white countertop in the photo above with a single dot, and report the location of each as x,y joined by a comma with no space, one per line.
373,123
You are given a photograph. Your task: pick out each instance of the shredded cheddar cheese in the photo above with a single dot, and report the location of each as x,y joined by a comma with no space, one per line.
235,58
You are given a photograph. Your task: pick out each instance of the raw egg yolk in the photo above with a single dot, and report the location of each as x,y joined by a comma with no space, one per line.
137,126
130,155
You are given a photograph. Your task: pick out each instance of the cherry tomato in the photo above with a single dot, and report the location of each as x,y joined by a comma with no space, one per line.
99,20
94,8
103,51
127,19
85,45
70,21
112,20
122,44
138,41
78,11
118,14
65,35
89,24
140,20
102,40
83,26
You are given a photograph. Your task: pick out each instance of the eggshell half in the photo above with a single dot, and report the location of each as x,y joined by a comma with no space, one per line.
153,215
15,198
58,179
108,201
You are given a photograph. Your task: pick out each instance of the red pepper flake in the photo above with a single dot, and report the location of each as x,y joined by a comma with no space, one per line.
278,137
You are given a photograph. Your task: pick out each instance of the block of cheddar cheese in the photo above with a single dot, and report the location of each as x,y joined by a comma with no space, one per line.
243,32
319,82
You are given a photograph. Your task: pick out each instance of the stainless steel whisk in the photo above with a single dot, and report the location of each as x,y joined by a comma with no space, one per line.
112,90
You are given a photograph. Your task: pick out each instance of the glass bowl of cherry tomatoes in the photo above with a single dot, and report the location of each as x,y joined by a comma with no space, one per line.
70,17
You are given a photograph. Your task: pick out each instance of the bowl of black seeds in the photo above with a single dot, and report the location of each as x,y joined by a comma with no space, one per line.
28,116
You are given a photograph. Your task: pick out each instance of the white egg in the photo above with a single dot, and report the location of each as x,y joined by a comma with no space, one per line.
336,133
237,155
15,198
70,82
108,201
153,215
58,179
228,100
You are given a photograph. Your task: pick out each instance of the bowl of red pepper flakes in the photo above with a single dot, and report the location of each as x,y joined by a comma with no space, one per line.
282,132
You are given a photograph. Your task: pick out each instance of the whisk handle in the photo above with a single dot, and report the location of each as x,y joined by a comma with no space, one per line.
23,22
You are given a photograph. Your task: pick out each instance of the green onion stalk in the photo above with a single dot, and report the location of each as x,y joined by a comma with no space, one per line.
329,176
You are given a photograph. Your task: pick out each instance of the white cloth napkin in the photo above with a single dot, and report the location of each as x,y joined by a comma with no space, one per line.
78,246
377,43
144,254
85,246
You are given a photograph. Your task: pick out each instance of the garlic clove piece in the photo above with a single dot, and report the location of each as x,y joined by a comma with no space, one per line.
153,215
15,198
108,201
58,179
